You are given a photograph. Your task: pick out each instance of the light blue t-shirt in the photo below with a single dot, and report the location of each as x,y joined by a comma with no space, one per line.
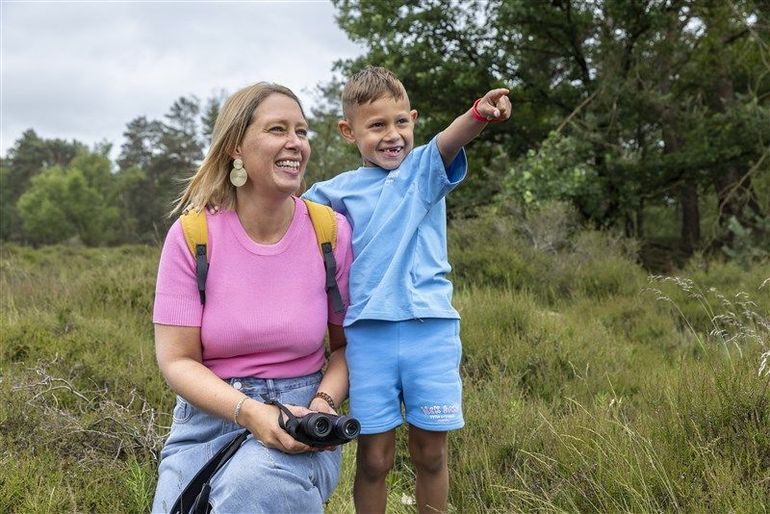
399,235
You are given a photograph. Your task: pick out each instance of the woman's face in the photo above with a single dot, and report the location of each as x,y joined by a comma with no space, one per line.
275,147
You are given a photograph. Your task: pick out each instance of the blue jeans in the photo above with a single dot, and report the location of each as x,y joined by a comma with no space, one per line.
256,479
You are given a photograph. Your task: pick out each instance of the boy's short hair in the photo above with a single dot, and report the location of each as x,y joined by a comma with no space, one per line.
370,84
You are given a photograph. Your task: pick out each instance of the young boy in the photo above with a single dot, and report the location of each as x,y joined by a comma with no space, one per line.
402,331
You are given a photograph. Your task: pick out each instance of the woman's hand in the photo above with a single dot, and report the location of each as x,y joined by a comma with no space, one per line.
320,405
262,422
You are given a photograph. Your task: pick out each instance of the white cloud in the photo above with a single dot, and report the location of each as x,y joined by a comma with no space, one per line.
82,70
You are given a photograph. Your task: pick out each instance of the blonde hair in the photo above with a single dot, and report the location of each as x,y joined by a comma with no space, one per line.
210,185
368,85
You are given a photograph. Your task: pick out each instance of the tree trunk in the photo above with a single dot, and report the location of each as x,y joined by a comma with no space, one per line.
736,198
690,230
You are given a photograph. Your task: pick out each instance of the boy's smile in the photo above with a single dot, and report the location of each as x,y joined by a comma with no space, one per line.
383,131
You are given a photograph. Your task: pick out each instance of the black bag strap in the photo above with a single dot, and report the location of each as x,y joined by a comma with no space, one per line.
332,289
194,498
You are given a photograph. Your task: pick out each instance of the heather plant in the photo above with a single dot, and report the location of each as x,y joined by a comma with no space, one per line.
588,387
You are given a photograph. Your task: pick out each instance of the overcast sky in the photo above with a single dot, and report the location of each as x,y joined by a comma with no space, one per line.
82,70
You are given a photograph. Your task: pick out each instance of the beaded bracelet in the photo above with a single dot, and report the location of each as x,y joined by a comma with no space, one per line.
325,397
238,409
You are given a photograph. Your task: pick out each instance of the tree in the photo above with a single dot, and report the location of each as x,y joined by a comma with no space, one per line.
155,159
209,116
445,54
26,158
72,202
331,154
639,84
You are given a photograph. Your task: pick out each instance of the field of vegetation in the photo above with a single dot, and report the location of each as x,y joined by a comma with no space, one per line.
589,385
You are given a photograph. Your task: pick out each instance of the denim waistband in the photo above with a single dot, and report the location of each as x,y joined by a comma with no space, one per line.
273,386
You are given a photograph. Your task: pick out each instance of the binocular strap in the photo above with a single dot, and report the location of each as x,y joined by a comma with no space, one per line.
283,409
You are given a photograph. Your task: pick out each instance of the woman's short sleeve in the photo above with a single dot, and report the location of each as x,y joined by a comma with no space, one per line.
177,301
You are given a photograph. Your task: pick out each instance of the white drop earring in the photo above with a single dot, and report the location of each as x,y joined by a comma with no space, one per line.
238,174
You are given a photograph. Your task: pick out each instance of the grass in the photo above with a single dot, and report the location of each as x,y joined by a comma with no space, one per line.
588,386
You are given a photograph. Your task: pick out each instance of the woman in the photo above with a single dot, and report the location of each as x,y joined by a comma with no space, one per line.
260,335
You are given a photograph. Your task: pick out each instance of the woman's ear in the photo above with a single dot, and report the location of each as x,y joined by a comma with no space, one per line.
346,131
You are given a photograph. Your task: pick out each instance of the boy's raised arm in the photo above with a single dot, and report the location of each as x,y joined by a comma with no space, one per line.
494,106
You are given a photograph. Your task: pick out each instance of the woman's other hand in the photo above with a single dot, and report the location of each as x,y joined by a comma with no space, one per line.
320,405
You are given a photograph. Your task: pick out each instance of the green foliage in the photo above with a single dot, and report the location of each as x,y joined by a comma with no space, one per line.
155,159
331,154
582,399
749,243
542,251
649,99
72,202
560,169
28,157
80,387
7,208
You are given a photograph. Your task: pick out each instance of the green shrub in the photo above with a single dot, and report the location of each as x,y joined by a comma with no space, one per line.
582,391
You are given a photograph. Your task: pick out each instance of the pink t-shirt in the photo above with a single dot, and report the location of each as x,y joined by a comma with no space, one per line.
266,305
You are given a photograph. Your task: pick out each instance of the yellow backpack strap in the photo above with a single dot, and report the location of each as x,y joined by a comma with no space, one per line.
197,237
325,225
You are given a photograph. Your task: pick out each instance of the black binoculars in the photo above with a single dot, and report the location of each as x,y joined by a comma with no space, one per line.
318,428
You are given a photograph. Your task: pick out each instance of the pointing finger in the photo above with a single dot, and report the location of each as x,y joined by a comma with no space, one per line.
495,94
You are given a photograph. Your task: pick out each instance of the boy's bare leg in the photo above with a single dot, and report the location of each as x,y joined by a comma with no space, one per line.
374,459
429,456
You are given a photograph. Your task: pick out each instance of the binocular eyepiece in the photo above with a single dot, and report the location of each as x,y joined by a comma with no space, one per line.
320,429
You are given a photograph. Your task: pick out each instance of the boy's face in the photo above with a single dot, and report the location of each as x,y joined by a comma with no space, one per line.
383,131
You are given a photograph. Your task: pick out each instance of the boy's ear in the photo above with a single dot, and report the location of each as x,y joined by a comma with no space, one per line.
413,114
346,131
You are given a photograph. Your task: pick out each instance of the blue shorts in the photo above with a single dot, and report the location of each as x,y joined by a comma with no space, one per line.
415,363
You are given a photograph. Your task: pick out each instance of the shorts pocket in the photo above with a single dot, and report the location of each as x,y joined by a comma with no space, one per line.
458,343
459,359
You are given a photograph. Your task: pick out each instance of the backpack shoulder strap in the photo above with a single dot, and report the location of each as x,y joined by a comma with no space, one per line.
325,225
324,222
197,237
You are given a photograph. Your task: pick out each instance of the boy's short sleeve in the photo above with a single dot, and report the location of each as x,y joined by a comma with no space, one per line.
323,193
315,194
177,301
435,179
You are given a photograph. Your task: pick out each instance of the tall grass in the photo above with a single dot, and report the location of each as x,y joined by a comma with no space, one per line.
588,386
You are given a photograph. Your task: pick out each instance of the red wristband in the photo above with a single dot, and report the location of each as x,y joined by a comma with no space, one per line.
476,114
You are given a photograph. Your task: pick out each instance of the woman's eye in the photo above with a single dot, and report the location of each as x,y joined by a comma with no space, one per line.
302,132
276,129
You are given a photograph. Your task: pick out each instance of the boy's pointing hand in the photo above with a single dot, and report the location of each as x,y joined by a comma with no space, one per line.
495,105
